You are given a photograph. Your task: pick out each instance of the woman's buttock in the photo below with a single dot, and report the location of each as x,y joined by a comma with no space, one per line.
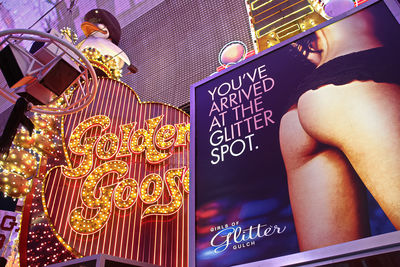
337,115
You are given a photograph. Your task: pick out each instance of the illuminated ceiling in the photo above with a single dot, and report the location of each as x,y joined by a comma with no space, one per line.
44,14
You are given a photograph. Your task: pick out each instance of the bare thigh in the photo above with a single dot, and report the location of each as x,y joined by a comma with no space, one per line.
361,119
327,197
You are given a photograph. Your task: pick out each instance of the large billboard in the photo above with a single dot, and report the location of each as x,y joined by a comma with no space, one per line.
297,149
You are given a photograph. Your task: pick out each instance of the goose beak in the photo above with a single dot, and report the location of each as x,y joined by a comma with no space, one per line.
89,28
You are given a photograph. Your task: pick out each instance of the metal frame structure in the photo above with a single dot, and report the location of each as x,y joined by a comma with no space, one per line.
86,82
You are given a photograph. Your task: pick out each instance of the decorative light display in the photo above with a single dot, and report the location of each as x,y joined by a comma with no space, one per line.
102,204
164,137
183,136
43,247
69,34
24,157
120,173
126,131
272,22
156,181
176,195
86,139
125,181
107,146
23,165
21,174
142,140
30,157
126,193
106,63
186,179
14,185
86,149
20,162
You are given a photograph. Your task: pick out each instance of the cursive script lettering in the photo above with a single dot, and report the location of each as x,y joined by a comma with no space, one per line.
235,235
89,140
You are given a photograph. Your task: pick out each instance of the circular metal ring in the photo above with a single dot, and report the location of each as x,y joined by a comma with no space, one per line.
70,50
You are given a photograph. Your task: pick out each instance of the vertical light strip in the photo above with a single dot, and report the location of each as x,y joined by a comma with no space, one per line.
119,115
182,210
162,217
156,236
67,131
66,211
94,107
132,211
50,204
113,217
177,214
72,157
153,230
50,195
136,173
187,159
71,121
123,121
100,101
56,218
178,218
109,226
140,118
145,169
89,112
93,110
106,110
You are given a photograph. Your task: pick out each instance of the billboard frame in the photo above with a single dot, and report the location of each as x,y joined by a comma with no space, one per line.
369,246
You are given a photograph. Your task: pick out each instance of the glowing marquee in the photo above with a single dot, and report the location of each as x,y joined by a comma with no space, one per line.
124,193
124,186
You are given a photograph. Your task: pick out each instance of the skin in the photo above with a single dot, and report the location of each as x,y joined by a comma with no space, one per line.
338,138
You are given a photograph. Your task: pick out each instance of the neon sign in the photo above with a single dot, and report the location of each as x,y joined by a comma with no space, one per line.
124,193
125,182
